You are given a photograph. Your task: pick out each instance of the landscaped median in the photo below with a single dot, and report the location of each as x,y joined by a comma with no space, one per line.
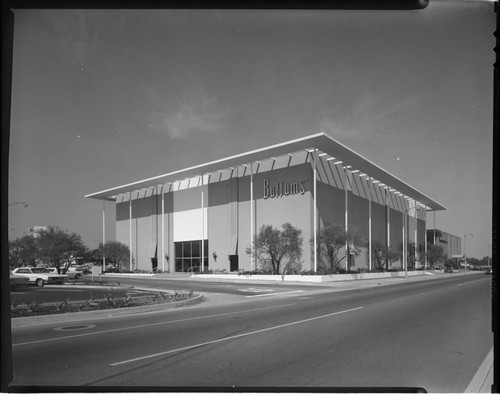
151,300
314,278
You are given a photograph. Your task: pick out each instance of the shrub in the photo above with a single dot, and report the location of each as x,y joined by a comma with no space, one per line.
255,272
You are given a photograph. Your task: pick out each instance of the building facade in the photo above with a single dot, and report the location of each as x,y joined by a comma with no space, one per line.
212,212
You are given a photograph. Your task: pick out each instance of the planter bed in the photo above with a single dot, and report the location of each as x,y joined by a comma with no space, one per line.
33,308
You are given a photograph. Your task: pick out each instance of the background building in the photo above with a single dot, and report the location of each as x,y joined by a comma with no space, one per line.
35,230
451,244
211,212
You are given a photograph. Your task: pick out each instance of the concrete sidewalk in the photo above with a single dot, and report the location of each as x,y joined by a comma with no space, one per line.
357,283
483,379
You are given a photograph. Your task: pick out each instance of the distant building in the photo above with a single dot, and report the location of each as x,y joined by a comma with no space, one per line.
34,231
451,244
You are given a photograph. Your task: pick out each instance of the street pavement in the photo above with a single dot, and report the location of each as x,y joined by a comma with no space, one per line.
433,333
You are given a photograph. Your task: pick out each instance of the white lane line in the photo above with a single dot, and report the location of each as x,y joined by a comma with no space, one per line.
273,294
148,325
472,281
231,337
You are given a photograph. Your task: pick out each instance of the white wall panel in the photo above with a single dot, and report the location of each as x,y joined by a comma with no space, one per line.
187,225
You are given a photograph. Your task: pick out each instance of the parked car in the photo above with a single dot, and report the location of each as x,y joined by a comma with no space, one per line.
488,271
17,280
111,268
72,272
40,276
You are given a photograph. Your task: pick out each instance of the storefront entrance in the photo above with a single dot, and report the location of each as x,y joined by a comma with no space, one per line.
188,256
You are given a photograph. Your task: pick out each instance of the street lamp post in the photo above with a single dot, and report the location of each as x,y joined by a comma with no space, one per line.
465,249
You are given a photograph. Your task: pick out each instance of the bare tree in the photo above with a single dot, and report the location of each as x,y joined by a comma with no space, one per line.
383,255
281,248
332,238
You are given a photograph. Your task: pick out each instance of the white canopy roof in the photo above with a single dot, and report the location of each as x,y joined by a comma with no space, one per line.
321,141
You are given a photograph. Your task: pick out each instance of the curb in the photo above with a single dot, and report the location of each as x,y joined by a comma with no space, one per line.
483,379
21,321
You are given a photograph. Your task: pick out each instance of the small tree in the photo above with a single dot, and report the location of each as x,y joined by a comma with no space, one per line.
435,254
57,248
410,254
332,238
281,248
22,251
116,253
383,255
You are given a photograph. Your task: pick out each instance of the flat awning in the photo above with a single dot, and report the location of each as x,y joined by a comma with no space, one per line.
321,141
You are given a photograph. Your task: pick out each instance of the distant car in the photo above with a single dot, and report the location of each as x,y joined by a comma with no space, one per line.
488,271
17,281
111,268
40,276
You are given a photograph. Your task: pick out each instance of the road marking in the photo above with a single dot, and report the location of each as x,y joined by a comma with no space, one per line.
148,325
472,281
232,337
255,290
273,294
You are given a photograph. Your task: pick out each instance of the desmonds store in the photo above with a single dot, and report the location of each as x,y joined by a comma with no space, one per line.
211,212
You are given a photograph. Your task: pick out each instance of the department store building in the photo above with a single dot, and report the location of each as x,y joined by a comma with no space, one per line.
212,212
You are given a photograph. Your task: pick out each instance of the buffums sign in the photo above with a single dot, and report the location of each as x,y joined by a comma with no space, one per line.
281,189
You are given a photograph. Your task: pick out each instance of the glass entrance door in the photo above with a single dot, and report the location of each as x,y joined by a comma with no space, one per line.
188,256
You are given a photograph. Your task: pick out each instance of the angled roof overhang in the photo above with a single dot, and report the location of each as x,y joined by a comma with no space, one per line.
321,141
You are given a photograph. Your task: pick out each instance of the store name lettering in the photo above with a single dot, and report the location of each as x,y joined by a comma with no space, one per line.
281,189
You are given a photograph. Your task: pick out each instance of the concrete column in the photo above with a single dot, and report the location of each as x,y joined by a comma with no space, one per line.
315,213
370,227
425,236
130,230
202,228
346,219
388,213
404,230
252,224
103,236
163,228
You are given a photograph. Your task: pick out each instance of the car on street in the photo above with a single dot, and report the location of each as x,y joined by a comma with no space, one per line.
40,276
16,281
488,271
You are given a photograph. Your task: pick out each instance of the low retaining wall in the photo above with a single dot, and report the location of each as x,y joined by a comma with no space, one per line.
126,275
312,278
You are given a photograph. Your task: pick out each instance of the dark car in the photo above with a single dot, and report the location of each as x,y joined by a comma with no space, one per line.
488,271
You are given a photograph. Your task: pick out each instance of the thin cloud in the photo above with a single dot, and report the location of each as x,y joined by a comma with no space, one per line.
371,114
195,112
81,32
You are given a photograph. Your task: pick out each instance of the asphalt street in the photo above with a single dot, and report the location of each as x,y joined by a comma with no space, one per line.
216,286
431,334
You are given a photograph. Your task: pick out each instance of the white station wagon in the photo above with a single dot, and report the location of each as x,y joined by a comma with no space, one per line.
40,276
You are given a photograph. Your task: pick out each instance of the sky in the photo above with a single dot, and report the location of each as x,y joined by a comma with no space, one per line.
102,98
